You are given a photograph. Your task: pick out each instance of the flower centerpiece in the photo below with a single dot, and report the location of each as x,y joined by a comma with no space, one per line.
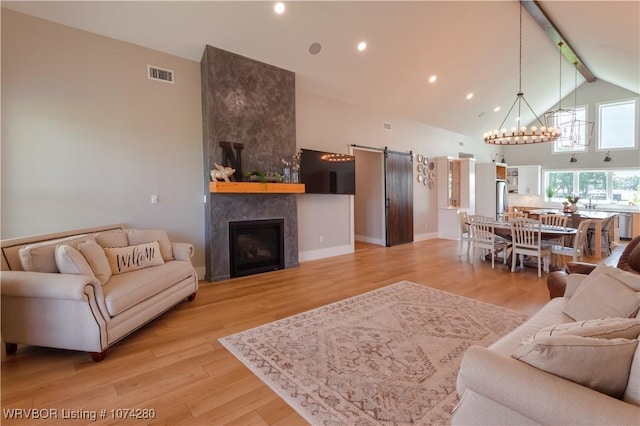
573,199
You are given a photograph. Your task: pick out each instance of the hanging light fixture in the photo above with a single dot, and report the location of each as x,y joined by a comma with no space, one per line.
563,119
573,159
521,135
607,157
582,129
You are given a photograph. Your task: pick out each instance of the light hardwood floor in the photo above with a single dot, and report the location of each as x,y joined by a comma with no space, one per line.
176,366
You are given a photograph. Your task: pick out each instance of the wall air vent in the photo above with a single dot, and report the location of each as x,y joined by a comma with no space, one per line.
386,126
160,74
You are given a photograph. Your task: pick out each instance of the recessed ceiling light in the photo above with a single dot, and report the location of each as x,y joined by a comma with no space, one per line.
496,109
279,8
433,78
362,45
469,95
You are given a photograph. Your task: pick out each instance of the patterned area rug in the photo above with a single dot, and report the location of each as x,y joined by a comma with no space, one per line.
389,356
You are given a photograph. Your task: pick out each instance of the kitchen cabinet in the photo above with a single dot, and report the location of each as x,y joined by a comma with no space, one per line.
524,180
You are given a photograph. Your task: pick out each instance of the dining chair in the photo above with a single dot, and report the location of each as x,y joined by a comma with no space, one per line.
579,244
526,238
557,221
484,238
514,214
464,233
606,237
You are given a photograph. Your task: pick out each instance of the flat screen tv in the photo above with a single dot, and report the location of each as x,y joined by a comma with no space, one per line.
327,172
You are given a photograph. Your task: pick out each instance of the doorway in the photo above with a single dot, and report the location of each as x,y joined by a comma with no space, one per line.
383,205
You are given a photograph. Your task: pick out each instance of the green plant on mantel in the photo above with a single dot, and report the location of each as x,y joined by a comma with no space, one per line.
262,177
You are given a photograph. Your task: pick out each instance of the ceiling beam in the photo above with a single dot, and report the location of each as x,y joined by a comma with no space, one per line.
535,10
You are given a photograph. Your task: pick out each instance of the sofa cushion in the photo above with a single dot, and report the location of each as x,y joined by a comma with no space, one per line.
601,364
41,257
551,313
140,236
131,258
603,328
606,292
126,290
97,260
115,238
71,261
632,393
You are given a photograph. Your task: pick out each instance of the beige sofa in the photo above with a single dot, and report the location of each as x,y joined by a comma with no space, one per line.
497,389
90,309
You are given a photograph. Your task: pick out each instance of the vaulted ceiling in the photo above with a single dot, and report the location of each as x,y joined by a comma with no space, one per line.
472,47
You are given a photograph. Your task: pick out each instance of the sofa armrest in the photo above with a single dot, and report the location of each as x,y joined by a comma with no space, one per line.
182,251
580,267
538,395
48,285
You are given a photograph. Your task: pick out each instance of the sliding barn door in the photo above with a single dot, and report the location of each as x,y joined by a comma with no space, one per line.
398,197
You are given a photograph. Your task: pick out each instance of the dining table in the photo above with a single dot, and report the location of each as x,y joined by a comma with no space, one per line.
503,228
597,218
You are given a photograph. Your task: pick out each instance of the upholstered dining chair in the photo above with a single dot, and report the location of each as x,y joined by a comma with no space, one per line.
484,238
526,238
464,233
579,244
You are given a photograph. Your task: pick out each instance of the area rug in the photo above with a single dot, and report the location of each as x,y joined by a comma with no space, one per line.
389,356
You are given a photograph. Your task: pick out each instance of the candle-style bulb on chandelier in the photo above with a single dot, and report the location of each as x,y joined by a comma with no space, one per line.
521,135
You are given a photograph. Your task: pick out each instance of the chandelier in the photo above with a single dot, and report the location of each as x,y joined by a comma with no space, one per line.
581,130
564,119
521,135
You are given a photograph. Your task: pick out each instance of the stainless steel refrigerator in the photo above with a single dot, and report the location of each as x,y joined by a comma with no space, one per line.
502,199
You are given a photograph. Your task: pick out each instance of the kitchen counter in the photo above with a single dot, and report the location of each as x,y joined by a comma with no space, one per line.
590,214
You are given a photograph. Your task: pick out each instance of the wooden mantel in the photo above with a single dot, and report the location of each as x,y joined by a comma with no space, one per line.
256,188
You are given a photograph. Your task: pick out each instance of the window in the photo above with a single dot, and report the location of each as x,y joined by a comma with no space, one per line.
605,186
617,125
560,184
592,185
576,134
626,186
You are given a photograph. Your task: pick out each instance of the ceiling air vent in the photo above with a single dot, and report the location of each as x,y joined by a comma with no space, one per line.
160,74
386,126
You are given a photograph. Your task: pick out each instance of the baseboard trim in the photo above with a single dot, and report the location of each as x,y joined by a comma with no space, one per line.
426,236
369,240
305,256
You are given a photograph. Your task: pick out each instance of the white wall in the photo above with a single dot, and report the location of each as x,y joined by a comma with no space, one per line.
589,94
87,138
327,124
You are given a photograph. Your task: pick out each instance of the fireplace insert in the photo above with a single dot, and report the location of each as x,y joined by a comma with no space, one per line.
256,246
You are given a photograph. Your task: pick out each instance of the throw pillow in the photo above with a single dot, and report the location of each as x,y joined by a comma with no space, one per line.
604,328
70,261
601,364
115,238
131,258
139,236
41,257
97,260
606,292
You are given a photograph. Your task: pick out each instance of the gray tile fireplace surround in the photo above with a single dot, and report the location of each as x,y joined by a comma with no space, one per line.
249,102
240,207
